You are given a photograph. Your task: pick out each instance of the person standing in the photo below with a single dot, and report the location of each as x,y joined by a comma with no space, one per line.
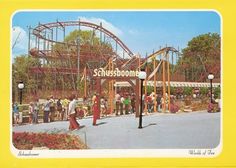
133,103
16,113
72,113
106,107
46,110
65,104
143,101
158,103
52,109
117,100
121,104
149,103
95,110
59,110
103,108
36,111
127,103
31,111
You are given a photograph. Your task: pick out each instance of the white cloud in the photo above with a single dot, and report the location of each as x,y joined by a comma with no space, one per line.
107,25
19,38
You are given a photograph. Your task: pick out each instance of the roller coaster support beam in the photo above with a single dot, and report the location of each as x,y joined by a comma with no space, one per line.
168,76
155,87
164,83
145,88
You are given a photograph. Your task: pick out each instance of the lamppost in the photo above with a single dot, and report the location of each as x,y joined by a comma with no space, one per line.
211,77
142,75
21,87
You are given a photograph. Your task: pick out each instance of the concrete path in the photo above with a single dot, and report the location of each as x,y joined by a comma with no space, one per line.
160,131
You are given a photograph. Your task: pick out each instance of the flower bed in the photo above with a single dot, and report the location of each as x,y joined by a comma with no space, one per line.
28,141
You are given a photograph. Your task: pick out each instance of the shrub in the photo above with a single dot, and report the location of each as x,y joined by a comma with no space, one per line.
203,90
187,91
217,92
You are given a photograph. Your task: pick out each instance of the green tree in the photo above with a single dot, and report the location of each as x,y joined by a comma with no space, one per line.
20,72
201,56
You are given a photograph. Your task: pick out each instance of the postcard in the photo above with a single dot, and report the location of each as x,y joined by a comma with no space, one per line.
113,84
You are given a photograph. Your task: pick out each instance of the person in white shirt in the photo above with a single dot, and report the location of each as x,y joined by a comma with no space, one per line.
72,114
117,100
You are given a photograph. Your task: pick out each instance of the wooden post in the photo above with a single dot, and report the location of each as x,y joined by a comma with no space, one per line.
112,90
85,82
138,90
154,85
164,82
145,91
109,86
168,73
98,86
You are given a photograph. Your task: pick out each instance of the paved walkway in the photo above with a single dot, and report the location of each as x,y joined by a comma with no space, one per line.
160,131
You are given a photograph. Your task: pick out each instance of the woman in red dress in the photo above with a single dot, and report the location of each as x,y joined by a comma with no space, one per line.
95,109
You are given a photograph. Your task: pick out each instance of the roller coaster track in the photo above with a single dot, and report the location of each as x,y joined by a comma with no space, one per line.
128,63
164,51
38,32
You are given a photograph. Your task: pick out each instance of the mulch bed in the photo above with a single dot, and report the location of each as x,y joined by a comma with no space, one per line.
28,141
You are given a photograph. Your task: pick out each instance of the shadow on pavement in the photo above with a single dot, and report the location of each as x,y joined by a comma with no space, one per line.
101,123
81,126
149,125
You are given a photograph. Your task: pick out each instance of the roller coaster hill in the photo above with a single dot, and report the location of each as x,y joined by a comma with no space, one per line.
69,63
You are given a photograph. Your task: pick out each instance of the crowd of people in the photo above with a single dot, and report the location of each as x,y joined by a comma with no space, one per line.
62,110
52,109
68,108
124,103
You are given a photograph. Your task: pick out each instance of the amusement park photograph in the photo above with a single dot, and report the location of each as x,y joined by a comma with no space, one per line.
116,82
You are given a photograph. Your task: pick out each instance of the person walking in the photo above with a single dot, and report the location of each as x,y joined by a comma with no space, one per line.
95,109
72,113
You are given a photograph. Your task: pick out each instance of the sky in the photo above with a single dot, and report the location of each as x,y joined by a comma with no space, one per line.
141,31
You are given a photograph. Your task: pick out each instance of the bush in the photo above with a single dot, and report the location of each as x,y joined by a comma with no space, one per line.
203,90
217,92
187,91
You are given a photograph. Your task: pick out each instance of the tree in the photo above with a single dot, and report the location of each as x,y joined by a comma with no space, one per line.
20,72
93,53
200,57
